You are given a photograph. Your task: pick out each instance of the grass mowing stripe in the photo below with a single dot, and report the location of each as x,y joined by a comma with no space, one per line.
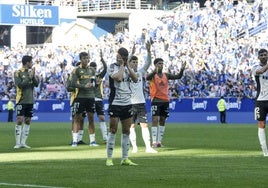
27,185
195,156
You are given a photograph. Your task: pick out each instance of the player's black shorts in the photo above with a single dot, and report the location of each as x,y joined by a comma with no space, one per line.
139,113
81,105
99,108
160,109
123,112
25,110
261,110
84,114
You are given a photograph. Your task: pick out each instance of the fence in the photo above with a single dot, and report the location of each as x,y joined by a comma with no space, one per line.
201,110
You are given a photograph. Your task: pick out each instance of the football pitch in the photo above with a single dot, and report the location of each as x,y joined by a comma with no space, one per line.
195,155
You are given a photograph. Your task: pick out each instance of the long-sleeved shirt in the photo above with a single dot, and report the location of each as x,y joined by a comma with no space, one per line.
25,86
79,78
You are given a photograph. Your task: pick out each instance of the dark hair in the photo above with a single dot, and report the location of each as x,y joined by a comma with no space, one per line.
157,60
26,58
134,58
93,64
123,52
262,51
82,54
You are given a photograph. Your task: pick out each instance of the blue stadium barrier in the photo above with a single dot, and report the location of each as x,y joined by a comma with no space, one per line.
199,110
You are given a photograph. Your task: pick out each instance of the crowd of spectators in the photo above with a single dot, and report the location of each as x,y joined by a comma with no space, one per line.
219,59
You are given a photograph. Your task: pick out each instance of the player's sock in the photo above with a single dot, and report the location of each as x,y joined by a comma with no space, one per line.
125,145
132,137
262,139
80,135
103,128
146,137
92,138
75,137
154,134
161,131
110,145
25,133
18,131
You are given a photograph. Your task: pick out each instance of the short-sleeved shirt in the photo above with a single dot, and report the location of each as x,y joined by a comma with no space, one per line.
137,95
262,84
120,91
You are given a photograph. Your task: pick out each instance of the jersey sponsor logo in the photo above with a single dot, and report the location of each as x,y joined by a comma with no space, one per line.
139,80
265,77
85,77
126,79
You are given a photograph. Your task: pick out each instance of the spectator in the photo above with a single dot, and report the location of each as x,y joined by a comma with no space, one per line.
10,108
221,105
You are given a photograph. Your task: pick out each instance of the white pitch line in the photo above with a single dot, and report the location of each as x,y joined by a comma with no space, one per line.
27,185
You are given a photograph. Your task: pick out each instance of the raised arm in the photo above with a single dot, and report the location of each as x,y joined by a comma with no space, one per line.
150,75
30,81
119,75
179,75
103,72
34,78
132,74
149,56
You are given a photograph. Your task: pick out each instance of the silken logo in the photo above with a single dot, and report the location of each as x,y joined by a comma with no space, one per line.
28,11
200,105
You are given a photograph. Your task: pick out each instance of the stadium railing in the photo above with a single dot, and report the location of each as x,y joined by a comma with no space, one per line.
99,5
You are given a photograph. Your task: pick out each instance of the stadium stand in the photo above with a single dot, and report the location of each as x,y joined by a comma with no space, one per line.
219,59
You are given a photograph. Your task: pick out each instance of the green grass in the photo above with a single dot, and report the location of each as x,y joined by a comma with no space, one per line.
195,155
